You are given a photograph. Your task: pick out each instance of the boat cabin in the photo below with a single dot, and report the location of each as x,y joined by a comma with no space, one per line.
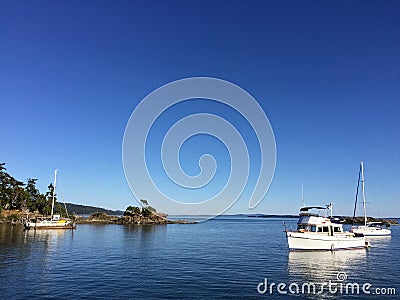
378,224
312,222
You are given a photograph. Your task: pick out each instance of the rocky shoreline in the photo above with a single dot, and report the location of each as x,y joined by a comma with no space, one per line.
17,217
154,219
360,220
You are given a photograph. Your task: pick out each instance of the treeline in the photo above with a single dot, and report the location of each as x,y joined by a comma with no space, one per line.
88,210
19,195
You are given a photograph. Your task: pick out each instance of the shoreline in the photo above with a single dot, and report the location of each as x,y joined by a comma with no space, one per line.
16,217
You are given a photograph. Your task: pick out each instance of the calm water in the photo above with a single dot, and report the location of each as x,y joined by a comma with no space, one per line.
223,258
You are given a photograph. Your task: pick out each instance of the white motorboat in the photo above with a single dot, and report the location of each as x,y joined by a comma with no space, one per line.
369,228
315,232
51,222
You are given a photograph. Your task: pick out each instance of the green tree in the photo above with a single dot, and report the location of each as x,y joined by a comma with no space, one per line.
147,210
131,211
41,205
5,189
12,194
16,192
33,195
49,199
15,195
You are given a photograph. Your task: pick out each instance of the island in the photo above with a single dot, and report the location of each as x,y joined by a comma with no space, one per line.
21,201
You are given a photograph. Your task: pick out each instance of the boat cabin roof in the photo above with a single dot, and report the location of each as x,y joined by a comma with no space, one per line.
304,210
307,208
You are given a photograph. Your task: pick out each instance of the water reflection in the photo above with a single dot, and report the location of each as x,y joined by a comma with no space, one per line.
141,238
46,235
322,266
383,240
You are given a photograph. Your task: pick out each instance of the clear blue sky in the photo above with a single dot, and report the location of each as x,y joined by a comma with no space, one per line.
327,74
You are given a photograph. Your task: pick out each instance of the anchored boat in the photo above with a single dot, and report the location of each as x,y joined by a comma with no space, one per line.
51,222
369,228
315,232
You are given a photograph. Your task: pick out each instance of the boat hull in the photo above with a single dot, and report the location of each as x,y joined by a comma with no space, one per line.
50,225
299,241
368,231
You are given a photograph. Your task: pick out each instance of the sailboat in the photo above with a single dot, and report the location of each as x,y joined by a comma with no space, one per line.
369,228
53,221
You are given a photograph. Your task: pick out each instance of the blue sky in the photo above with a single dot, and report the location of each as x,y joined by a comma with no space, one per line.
326,74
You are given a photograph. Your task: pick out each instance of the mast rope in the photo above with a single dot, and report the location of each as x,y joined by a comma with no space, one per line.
62,197
355,204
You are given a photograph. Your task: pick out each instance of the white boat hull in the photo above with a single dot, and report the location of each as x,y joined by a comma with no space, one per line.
62,224
306,241
371,231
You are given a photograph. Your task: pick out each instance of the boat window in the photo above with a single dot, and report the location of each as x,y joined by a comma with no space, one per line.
325,229
319,229
313,228
336,229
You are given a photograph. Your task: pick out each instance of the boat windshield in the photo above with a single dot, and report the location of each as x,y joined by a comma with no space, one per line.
307,227
375,224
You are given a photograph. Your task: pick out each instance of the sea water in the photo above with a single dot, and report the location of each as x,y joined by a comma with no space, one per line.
223,258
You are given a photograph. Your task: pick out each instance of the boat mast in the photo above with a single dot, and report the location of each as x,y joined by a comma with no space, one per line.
363,193
54,193
302,195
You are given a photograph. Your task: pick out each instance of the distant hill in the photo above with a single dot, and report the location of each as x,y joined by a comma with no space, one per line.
87,210
271,216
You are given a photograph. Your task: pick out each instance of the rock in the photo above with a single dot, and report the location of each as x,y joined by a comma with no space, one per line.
131,219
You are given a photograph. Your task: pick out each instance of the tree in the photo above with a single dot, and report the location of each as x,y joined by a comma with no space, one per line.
49,199
132,211
41,205
5,190
11,190
147,210
15,195
33,194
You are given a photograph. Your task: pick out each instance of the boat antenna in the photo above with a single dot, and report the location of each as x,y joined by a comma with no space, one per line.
54,193
302,195
330,207
358,185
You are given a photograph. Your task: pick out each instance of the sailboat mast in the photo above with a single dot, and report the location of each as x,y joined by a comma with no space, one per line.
54,193
363,193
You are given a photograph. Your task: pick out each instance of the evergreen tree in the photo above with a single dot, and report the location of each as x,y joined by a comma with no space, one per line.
34,196
12,193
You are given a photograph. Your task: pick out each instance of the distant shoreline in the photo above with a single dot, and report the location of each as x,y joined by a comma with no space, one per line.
107,216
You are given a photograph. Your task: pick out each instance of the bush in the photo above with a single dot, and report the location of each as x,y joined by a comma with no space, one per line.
99,216
132,211
13,218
